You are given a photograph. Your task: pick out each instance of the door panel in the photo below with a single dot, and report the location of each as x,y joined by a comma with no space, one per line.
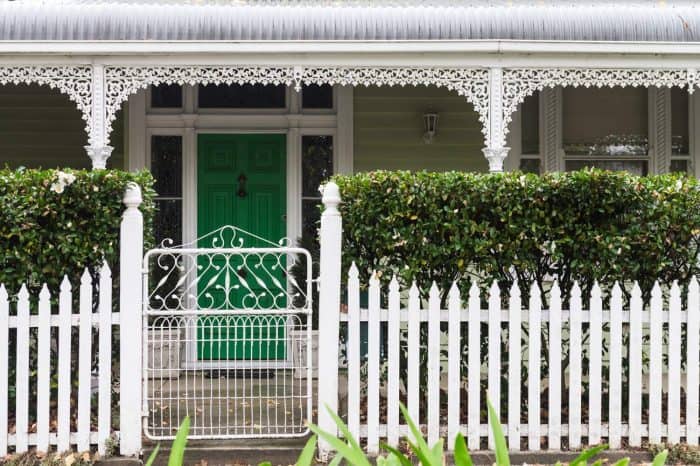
241,181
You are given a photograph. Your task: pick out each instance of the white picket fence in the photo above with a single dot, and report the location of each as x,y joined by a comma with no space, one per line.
520,330
34,330
48,326
614,353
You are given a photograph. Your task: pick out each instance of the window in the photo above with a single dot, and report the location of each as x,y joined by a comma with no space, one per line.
530,134
680,129
316,167
242,96
316,97
166,96
166,166
606,128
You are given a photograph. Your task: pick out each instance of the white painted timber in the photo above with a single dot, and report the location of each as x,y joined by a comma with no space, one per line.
394,374
554,421
655,364
4,370
454,375
595,365
635,370
494,354
43,384
373,378
514,367
85,362
474,369
575,368
692,365
104,419
433,365
674,366
534,363
22,372
615,372
354,351
65,309
413,349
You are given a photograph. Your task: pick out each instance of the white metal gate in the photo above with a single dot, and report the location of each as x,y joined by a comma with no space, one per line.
226,328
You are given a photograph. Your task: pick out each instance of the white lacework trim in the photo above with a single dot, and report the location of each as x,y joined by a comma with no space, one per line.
521,83
121,82
74,81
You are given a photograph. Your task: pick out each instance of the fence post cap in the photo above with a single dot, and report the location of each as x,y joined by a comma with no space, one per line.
132,195
331,194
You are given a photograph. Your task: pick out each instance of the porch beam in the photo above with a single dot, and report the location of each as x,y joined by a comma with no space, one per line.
496,150
98,148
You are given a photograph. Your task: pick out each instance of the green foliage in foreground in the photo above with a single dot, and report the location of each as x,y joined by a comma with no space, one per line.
583,225
353,454
57,222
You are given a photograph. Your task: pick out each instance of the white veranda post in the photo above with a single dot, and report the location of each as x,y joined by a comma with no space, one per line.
329,312
496,150
131,330
98,148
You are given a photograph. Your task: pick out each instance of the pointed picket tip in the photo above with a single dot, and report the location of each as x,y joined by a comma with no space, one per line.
394,285
693,285
576,290
374,279
555,288
616,289
675,289
454,291
534,289
596,292
434,291
656,290
105,271
23,292
353,273
86,278
474,290
636,290
3,293
495,290
413,291
65,284
515,288
44,293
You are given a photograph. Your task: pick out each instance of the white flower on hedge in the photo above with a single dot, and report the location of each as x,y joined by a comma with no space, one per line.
63,179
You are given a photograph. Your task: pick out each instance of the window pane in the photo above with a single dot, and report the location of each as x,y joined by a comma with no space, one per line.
530,166
317,163
166,165
679,166
166,96
315,96
242,96
635,167
679,122
531,124
605,121
168,221
311,215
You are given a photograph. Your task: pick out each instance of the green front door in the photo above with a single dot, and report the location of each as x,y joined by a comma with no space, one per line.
241,181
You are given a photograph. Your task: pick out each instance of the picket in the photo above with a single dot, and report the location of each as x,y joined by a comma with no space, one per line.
4,370
454,374
393,361
575,368
373,367
554,401
65,309
494,368
534,362
104,419
595,365
43,389
674,365
433,365
635,370
615,372
413,345
693,371
22,372
474,369
655,363
514,368
84,361
354,351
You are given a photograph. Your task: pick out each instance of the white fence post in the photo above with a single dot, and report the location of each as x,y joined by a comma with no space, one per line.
131,341
329,311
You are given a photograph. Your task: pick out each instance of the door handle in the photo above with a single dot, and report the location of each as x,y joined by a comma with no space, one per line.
242,179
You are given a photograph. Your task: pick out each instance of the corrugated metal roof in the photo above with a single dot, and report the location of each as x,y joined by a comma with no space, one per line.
348,20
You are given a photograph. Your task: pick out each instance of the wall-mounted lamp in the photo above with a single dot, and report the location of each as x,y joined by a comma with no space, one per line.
430,121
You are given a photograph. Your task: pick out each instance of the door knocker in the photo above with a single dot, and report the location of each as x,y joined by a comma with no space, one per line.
242,193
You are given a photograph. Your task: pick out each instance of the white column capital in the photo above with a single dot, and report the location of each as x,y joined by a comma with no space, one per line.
495,157
99,156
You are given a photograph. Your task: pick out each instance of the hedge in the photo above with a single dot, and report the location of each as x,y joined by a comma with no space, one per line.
586,225
56,222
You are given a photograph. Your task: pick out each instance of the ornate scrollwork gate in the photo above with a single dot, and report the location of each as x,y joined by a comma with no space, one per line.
227,321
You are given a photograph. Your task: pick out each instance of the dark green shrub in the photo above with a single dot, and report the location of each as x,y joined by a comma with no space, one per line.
49,228
583,226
